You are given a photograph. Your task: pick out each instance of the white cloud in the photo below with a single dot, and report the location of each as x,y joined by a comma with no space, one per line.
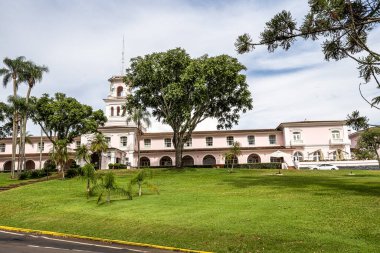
80,41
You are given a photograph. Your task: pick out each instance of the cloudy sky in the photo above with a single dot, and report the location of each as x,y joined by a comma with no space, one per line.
81,43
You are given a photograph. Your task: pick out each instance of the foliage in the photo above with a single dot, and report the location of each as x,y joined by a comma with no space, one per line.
83,153
72,172
64,118
140,117
141,178
87,173
34,174
182,91
229,156
107,185
343,25
116,166
369,142
59,155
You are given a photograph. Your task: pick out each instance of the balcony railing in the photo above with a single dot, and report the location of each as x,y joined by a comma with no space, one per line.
336,141
296,143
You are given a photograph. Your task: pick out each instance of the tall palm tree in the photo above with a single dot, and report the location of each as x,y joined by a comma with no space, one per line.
60,156
140,117
98,145
31,74
12,72
82,153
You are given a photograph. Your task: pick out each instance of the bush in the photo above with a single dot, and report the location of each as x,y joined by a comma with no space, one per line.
72,172
33,174
258,166
117,166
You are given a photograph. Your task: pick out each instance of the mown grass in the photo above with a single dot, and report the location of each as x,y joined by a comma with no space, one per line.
5,179
210,209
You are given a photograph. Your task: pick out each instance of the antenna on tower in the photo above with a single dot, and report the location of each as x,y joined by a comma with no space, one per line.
122,58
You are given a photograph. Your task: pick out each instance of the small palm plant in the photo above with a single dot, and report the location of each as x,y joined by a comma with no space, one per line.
141,178
87,172
60,156
99,144
232,154
108,185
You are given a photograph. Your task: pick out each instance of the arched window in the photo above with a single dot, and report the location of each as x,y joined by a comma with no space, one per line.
30,165
112,111
166,161
119,91
118,111
317,156
144,162
253,158
298,157
335,134
187,161
7,166
209,160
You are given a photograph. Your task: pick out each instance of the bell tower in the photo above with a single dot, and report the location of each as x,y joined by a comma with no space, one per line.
115,101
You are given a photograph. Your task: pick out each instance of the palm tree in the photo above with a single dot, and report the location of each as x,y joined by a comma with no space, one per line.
12,72
98,145
108,185
139,117
82,153
88,173
31,74
60,156
232,154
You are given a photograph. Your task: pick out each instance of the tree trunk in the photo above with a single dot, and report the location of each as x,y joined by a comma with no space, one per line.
138,145
108,196
23,131
100,160
19,168
14,132
178,145
63,170
378,157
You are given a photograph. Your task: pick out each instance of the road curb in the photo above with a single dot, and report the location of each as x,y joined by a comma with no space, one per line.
42,232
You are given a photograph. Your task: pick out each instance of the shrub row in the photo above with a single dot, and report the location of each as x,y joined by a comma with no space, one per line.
240,166
117,166
33,174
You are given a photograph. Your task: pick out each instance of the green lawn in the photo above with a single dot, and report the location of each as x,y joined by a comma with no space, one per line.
209,209
5,179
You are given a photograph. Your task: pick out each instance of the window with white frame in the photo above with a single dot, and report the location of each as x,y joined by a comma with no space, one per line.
298,157
168,142
209,141
335,134
2,147
108,139
272,139
41,146
123,141
77,144
230,140
296,136
251,140
189,143
147,143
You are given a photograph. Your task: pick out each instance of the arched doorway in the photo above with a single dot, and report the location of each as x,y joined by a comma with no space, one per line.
187,161
95,160
166,161
232,159
144,162
49,165
253,158
297,157
30,165
209,160
7,166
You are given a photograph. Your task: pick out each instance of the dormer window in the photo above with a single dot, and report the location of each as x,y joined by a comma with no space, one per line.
119,91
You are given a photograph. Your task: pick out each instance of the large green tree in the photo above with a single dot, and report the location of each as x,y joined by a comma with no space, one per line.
63,118
182,91
11,73
140,118
369,141
344,26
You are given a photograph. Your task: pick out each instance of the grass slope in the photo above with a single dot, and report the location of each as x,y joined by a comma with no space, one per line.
246,211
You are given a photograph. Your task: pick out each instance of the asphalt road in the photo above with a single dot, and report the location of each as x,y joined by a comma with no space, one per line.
11,242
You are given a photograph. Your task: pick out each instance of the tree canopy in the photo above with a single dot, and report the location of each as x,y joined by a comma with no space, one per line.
182,91
64,118
344,26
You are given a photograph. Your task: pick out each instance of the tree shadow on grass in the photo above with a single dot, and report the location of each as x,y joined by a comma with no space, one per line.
342,184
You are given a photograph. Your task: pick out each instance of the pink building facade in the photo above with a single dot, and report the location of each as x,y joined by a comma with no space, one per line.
290,142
